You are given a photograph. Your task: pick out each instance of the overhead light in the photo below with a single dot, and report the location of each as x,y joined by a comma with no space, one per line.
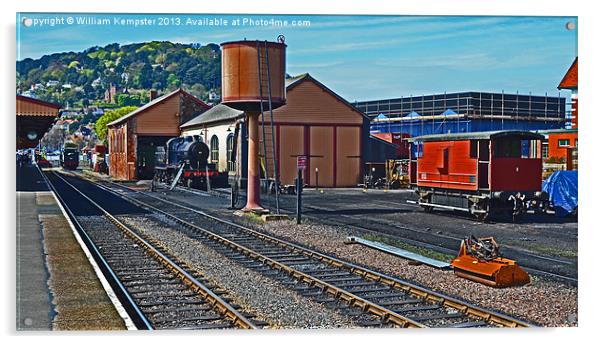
32,135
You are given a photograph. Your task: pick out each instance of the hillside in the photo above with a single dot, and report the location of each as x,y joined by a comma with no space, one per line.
77,78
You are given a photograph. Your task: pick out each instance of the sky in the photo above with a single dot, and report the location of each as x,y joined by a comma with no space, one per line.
359,57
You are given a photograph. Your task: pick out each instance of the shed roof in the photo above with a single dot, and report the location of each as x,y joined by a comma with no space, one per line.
223,112
217,113
382,141
483,135
296,80
569,81
155,102
558,131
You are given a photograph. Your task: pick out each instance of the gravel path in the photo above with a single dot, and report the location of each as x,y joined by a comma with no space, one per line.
270,301
543,302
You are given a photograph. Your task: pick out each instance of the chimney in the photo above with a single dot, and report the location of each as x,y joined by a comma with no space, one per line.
153,95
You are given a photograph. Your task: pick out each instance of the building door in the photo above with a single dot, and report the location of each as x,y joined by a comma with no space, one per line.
146,148
348,156
292,145
321,156
483,164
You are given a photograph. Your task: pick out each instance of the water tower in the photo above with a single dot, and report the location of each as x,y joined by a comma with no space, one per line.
253,74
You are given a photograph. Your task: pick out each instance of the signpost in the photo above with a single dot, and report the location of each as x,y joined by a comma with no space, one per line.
301,166
301,162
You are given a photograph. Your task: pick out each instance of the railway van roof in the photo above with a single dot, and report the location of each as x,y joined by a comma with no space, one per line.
483,135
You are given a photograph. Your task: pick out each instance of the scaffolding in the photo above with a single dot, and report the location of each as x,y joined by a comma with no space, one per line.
473,104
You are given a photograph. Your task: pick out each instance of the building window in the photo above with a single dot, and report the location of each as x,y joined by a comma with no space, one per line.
229,148
214,150
474,149
544,150
419,148
564,143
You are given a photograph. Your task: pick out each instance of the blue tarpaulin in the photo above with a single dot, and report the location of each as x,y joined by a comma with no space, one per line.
448,112
562,188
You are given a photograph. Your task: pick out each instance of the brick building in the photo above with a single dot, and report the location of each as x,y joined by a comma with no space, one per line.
133,138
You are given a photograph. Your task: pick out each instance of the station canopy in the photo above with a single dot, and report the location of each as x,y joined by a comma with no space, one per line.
34,118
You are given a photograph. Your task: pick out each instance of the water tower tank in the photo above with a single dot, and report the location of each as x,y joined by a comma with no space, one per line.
240,74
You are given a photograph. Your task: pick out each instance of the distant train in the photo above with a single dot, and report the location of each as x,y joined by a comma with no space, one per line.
483,173
190,155
70,156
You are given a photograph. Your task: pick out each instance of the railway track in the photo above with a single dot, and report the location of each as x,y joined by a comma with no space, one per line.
157,291
326,279
440,243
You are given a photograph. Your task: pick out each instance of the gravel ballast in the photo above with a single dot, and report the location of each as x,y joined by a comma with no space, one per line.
544,302
258,294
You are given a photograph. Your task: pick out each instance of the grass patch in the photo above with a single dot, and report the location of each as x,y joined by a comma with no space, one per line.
545,249
253,217
414,249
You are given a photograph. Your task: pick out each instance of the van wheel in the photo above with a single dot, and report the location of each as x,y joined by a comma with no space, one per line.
482,217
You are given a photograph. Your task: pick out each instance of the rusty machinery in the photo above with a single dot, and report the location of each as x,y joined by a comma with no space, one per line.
397,173
392,174
479,260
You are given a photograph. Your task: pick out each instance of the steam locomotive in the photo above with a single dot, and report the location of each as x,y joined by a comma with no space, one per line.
70,156
186,156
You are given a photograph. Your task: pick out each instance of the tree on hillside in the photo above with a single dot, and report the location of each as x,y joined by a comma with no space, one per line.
101,124
146,76
149,65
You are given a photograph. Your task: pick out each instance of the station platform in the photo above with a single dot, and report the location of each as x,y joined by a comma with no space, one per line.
56,285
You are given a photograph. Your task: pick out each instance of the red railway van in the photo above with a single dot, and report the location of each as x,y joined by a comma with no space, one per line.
481,172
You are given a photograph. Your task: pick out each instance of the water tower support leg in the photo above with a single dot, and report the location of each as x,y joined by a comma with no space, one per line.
253,192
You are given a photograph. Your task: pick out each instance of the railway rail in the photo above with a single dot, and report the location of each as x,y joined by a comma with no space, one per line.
391,231
326,279
157,291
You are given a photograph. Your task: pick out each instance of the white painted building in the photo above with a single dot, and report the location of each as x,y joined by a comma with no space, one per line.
216,128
